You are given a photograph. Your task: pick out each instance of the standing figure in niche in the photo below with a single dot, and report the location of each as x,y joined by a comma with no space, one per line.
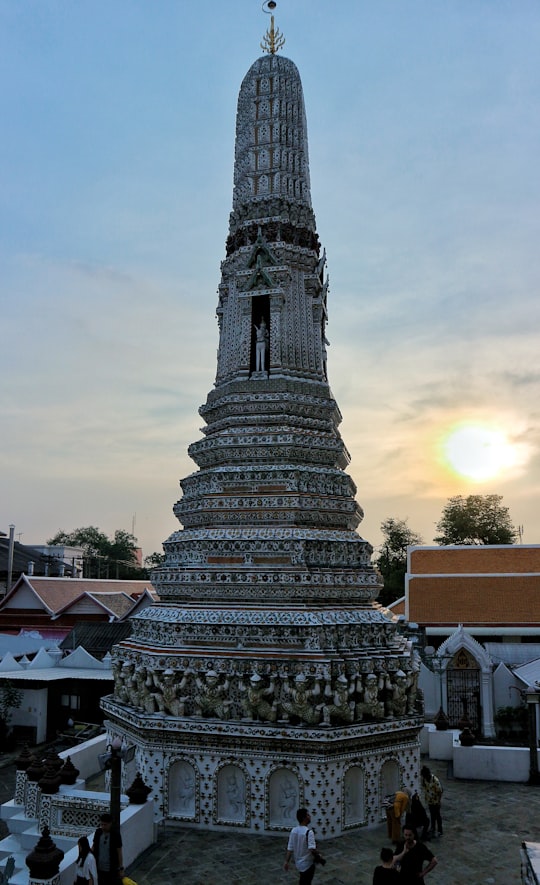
235,793
186,789
261,345
287,798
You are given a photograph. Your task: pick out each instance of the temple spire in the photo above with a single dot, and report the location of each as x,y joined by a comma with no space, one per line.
273,40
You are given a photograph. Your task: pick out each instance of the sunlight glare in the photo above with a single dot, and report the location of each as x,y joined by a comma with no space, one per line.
478,451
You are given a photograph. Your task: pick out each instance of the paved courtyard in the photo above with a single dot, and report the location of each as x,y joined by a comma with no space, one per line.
484,822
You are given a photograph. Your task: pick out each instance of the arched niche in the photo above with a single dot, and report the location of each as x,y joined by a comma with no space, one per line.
389,778
232,794
183,790
284,798
354,804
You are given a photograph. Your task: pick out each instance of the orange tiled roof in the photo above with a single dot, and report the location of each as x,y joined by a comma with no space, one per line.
58,593
118,603
502,559
483,600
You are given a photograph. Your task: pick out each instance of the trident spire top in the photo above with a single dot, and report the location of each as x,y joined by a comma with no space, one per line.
273,40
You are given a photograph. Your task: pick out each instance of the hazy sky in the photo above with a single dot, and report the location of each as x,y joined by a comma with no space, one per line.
116,163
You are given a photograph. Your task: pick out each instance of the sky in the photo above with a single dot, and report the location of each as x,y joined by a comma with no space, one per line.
116,165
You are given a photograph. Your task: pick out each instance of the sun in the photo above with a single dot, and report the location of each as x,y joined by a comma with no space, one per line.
480,451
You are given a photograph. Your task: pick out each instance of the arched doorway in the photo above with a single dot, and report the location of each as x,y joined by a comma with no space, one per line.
463,688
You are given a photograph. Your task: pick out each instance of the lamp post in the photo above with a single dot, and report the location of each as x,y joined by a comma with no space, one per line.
436,665
115,766
533,700
112,761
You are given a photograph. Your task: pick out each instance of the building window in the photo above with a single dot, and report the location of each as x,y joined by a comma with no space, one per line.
71,701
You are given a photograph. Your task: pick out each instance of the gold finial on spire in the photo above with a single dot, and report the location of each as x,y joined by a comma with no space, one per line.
273,40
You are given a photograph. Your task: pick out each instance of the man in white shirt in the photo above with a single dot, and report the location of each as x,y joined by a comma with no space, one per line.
302,847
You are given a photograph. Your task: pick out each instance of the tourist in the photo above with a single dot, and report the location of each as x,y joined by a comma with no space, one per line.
302,847
411,860
386,872
433,794
86,864
395,809
107,848
417,817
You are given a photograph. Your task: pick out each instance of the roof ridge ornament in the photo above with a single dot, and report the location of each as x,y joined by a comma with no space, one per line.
273,40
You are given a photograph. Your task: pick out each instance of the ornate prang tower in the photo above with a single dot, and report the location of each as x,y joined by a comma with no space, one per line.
269,677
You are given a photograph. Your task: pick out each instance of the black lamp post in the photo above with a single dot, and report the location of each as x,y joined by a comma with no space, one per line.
115,765
112,761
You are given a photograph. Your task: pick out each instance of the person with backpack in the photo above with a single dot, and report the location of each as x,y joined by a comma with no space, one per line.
303,848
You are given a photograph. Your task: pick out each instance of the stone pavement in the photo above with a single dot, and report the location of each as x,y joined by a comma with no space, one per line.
484,822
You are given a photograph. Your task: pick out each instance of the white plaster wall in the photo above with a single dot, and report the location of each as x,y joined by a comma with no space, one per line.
492,763
424,738
33,712
442,743
138,833
85,756
430,685
505,685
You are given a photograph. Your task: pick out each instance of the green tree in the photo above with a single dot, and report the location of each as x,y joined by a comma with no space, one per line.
104,557
154,560
476,519
392,558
